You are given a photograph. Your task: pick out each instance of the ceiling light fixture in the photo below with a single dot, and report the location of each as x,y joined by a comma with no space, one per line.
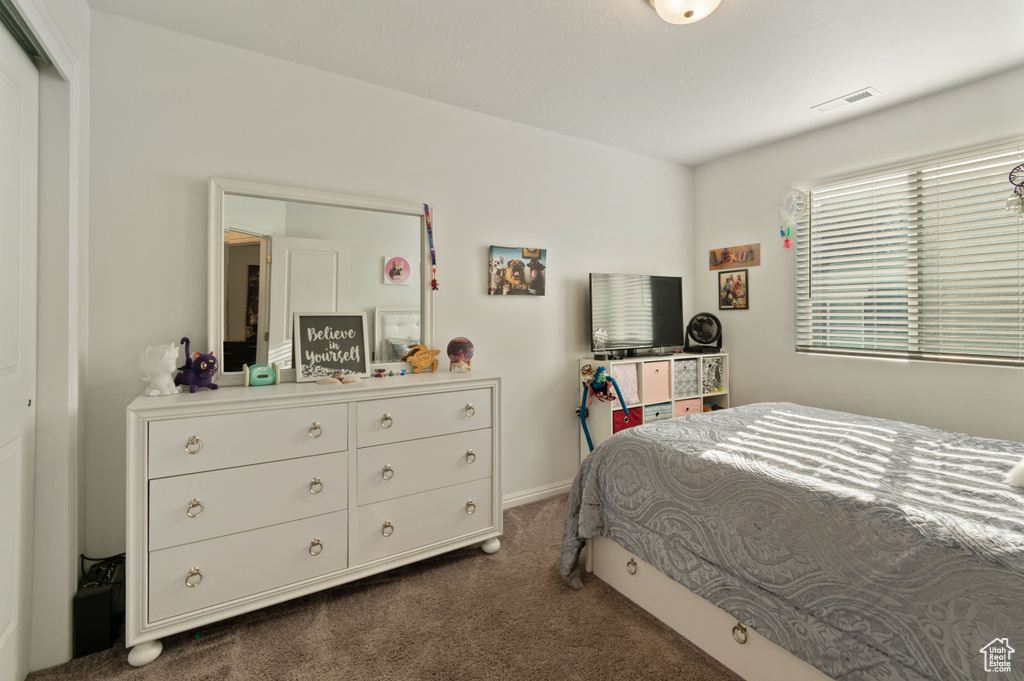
683,11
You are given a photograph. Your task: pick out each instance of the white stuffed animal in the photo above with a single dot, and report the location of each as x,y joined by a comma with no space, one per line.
159,363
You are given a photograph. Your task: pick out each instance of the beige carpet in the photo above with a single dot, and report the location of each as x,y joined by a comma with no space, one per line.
464,615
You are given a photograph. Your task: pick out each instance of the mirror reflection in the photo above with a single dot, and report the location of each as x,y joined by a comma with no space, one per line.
282,257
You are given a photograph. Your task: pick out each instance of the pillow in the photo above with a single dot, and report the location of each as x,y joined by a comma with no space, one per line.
400,347
1016,475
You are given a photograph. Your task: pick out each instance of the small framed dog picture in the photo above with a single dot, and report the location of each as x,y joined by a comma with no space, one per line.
396,270
516,271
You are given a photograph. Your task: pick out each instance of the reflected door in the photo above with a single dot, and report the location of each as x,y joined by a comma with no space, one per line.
315,274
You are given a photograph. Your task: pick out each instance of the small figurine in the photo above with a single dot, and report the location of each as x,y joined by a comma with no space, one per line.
460,354
420,358
198,370
159,364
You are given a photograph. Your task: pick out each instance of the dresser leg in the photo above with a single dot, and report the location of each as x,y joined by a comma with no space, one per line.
144,653
491,545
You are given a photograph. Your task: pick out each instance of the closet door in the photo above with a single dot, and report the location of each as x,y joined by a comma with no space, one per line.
19,142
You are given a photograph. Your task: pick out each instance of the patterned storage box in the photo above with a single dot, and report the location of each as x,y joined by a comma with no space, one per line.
657,412
685,378
714,374
626,377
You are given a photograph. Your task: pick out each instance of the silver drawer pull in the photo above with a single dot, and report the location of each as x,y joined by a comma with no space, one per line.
739,632
192,506
470,456
194,578
470,410
470,508
388,529
631,566
315,430
315,547
386,421
194,445
315,486
388,472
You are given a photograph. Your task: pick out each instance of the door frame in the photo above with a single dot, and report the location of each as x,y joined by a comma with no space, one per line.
62,316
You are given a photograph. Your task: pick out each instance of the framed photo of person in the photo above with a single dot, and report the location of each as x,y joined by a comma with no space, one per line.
733,290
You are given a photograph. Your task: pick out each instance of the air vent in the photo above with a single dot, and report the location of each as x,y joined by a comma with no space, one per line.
857,96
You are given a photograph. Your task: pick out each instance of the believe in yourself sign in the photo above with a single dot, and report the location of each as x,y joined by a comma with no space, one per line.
330,343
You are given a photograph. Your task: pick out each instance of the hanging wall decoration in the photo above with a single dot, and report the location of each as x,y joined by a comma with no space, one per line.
516,271
733,290
1015,204
792,207
433,254
734,256
396,270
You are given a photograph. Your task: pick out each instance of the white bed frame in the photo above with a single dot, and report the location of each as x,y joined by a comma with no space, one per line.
704,624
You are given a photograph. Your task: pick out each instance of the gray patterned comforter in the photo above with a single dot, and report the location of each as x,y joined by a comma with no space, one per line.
872,549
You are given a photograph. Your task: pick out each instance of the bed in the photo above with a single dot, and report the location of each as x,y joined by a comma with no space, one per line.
868,548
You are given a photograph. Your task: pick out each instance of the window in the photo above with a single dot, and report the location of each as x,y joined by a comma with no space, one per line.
918,261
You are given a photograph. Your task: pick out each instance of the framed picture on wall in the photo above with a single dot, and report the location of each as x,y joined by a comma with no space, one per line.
733,290
516,271
330,343
396,270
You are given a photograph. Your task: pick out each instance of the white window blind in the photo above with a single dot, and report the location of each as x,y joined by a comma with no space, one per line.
919,261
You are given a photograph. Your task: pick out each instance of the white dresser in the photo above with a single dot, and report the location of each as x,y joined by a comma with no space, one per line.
243,497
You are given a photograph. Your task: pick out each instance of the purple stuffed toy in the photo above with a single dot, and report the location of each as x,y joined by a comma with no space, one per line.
198,370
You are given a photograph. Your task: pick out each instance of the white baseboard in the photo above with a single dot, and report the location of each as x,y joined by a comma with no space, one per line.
536,494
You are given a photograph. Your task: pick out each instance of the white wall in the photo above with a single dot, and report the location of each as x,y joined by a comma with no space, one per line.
736,202
169,111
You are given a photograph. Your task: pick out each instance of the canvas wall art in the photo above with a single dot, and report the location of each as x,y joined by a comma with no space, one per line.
516,271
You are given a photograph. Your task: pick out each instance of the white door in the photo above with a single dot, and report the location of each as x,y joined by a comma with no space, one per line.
19,121
306,275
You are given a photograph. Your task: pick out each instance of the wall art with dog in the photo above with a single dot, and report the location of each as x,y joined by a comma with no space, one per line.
396,270
516,271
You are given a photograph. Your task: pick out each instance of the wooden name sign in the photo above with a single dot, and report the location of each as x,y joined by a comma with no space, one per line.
330,343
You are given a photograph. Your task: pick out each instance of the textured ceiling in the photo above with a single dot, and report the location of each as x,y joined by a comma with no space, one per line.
612,72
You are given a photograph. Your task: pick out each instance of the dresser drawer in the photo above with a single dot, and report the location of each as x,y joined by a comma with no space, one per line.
238,499
408,418
403,468
226,440
244,564
419,520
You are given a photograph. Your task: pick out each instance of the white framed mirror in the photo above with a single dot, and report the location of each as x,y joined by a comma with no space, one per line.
275,251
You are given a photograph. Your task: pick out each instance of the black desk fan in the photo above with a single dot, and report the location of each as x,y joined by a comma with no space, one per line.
704,328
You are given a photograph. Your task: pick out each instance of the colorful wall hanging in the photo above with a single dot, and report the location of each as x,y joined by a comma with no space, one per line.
735,256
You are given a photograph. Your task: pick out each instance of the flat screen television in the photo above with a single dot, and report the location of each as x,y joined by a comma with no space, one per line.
629,312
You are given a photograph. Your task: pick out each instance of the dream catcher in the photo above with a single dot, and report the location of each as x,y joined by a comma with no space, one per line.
792,207
1015,204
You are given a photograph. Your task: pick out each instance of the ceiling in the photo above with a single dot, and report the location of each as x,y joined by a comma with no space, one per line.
610,71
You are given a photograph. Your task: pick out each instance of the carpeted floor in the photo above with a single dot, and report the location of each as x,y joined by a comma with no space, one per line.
463,615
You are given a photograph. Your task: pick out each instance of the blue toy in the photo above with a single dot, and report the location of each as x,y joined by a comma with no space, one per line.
598,387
